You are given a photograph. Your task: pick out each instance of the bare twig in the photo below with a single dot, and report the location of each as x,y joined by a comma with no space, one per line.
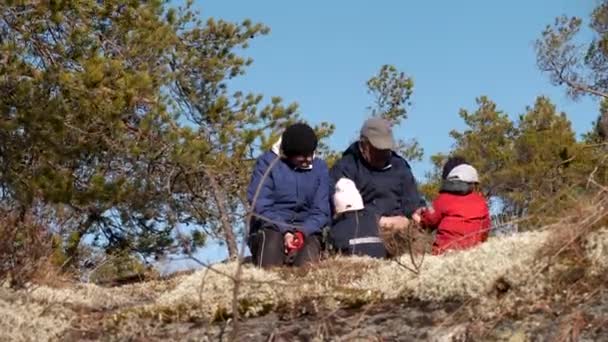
406,267
239,268
412,251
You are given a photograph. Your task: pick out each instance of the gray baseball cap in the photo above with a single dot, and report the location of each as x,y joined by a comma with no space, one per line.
379,133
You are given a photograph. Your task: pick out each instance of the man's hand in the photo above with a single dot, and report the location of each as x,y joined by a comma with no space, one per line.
417,218
394,222
417,215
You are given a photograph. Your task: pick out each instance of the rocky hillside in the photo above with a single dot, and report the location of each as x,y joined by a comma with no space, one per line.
549,284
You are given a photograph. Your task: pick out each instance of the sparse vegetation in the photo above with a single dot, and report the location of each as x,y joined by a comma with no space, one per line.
503,279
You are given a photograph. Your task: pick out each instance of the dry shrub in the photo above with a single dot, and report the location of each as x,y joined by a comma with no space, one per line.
564,273
398,242
25,251
596,250
569,240
120,269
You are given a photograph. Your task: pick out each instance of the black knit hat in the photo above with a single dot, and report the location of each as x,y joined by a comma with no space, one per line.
299,140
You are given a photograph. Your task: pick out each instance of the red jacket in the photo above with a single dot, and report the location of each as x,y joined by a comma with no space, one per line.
462,221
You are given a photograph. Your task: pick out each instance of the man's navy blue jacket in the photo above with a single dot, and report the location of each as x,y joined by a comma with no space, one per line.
391,191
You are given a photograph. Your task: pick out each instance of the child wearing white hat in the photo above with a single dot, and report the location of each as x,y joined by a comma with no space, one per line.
354,230
460,213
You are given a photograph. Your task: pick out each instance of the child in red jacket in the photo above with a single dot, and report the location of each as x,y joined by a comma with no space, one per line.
460,213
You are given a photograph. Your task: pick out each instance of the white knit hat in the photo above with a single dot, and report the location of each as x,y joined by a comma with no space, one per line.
465,173
347,197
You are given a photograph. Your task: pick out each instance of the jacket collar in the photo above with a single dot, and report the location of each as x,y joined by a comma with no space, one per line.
355,149
456,187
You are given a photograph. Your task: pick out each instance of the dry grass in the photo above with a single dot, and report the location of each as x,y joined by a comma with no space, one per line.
96,297
353,281
22,319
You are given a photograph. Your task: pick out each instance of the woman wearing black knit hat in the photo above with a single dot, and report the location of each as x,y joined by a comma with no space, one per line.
292,202
298,145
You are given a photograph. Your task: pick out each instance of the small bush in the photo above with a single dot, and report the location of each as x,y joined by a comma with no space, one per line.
25,250
398,242
121,268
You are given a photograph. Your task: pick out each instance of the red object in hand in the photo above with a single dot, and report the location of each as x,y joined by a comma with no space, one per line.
296,244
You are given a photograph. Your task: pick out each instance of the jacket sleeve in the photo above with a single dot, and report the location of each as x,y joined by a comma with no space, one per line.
411,197
264,203
320,209
432,220
342,169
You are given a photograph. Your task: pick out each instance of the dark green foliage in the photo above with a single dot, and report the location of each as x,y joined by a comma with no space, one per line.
534,165
391,91
117,118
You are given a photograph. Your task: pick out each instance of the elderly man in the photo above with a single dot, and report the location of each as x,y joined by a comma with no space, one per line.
383,178
290,201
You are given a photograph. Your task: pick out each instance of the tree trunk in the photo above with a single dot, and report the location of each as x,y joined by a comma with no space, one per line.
220,199
602,126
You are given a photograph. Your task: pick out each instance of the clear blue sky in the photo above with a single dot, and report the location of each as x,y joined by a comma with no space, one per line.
320,53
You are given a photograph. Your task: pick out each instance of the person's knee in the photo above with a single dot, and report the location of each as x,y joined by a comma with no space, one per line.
376,250
273,236
310,252
313,243
267,248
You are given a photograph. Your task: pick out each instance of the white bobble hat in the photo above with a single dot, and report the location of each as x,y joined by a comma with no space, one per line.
347,197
